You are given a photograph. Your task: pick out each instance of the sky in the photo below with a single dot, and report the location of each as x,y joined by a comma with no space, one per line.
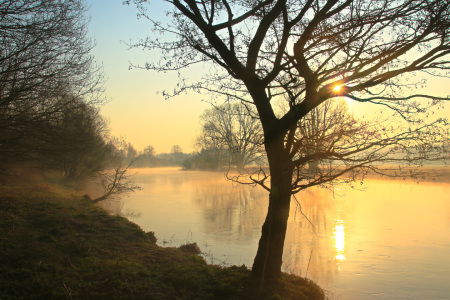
136,110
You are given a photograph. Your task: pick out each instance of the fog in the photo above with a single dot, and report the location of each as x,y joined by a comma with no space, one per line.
388,239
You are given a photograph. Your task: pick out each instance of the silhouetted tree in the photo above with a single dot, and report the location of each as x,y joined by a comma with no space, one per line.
176,149
302,51
233,133
205,159
44,58
149,158
149,151
176,155
130,152
322,128
76,142
115,182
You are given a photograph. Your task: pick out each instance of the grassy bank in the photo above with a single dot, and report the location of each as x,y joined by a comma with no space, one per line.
59,246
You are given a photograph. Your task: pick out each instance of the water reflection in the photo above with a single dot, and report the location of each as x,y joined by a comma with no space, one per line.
232,213
315,242
339,241
389,242
115,207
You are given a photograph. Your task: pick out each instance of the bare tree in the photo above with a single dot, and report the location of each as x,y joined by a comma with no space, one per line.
309,52
75,141
149,151
230,130
321,128
115,182
44,57
45,49
176,149
130,152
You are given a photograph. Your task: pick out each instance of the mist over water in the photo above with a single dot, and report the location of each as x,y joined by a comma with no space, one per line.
389,240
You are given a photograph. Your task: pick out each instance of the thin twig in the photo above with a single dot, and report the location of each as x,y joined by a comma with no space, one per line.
309,262
301,211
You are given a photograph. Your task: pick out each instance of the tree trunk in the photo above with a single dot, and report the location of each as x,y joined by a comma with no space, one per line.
267,264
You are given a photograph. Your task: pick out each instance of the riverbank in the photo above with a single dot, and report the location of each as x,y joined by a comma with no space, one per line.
428,173
56,245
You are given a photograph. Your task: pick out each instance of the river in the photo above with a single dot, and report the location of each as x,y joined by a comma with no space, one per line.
389,239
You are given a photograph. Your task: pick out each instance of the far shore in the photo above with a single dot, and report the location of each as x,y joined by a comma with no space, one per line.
427,173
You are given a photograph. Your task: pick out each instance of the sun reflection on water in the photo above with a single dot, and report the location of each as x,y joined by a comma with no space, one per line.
339,241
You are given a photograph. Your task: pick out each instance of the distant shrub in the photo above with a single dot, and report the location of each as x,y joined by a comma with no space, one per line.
191,248
151,237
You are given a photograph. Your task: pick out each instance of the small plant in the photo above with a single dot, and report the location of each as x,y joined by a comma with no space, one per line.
191,248
151,237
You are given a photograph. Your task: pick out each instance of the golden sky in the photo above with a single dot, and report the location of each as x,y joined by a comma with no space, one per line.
135,110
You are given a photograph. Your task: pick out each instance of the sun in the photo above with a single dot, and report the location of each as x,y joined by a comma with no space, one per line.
337,88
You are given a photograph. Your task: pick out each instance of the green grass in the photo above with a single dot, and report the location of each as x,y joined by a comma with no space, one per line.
59,246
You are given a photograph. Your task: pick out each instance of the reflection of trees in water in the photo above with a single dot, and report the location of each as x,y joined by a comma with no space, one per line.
155,180
231,212
115,207
173,179
310,249
235,212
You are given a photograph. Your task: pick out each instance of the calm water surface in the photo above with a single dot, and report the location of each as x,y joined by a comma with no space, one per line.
390,241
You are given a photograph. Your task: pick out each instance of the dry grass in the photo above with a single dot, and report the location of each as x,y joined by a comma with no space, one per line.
56,246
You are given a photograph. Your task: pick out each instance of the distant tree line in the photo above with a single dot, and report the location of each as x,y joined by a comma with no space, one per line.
232,135
50,92
148,158
49,85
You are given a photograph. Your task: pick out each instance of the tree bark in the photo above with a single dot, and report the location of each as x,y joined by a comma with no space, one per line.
267,264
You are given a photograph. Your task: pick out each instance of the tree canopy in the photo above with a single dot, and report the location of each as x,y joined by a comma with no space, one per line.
307,53
45,50
232,132
46,69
